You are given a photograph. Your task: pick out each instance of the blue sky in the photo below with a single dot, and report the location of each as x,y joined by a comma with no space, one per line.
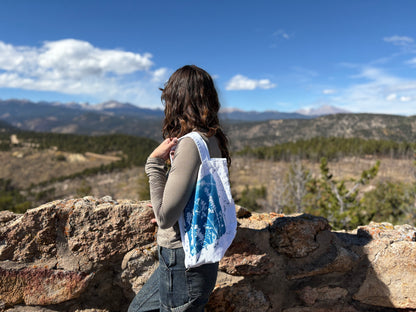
359,55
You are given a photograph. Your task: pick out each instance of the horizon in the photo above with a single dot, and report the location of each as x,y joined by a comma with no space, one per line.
352,55
322,110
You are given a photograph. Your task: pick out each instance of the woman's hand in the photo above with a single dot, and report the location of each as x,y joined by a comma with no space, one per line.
152,220
163,150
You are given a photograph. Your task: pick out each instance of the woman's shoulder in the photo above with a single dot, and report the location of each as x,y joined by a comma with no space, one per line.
188,141
188,146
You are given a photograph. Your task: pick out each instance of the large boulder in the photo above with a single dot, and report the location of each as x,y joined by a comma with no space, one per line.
94,254
69,254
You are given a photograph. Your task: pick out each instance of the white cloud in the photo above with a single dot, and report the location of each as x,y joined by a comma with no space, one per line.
329,91
160,75
405,98
240,82
282,34
391,97
399,40
412,61
381,92
77,67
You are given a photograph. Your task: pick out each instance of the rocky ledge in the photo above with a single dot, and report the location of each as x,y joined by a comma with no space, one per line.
94,254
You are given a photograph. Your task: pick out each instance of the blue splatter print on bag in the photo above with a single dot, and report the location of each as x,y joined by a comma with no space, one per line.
204,220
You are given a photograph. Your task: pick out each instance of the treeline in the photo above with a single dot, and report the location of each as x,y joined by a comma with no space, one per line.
331,148
4,137
11,198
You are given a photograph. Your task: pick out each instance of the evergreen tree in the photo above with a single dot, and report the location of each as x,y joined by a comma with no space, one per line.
335,201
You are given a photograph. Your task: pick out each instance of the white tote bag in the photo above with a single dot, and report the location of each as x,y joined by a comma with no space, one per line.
208,224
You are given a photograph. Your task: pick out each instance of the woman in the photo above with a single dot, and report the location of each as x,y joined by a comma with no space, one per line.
191,104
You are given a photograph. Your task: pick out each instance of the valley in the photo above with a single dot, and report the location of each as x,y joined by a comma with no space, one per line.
349,168
28,168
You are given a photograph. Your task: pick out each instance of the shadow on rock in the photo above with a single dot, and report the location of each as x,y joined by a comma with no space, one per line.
94,254
296,263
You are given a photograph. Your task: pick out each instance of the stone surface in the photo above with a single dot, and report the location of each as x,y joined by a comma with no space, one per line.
343,262
390,282
39,286
343,308
93,255
295,236
137,266
244,258
241,212
6,216
388,232
74,249
311,295
238,297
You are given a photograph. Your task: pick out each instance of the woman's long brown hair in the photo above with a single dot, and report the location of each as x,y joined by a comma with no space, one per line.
191,103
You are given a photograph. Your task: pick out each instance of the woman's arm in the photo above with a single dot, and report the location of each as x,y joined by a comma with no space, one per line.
169,195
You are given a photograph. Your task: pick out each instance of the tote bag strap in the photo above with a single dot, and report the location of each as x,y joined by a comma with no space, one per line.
200,144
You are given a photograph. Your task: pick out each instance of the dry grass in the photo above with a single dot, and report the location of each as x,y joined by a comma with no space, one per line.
24,165
255,173
122,184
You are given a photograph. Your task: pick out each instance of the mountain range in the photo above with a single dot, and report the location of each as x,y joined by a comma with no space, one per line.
109,117
14,110
243,128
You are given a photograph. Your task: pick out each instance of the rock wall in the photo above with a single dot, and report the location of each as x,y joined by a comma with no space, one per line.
94,254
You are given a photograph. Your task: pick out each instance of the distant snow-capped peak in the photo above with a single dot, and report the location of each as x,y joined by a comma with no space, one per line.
109,105
227,110
322,110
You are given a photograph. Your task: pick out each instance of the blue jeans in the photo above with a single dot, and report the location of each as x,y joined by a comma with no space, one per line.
172,287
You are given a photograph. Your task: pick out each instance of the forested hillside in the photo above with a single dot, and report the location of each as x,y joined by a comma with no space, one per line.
365,126
331,148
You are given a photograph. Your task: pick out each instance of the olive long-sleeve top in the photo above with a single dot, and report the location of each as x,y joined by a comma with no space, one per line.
169,193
